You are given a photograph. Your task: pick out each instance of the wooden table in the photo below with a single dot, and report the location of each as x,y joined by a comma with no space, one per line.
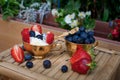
107,64
108,61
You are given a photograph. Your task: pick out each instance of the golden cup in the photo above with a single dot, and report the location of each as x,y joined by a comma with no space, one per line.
40,51
72,47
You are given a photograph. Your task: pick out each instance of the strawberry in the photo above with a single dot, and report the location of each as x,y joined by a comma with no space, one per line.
17,53
80,54
37,28
49,37
25,35
81,61
81,66
115,33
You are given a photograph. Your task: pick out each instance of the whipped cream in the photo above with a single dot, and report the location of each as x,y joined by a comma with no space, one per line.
37,42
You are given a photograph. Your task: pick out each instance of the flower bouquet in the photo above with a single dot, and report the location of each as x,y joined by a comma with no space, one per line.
70,20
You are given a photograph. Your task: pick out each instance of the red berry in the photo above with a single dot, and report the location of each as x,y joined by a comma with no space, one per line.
81,66
37,28
17,53
115,33
25,35
80,54
49,37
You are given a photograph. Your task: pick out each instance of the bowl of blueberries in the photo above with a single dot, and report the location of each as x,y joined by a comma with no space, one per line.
81,38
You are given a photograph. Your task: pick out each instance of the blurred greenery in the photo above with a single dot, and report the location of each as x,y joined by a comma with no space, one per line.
104,10
9,8
27,3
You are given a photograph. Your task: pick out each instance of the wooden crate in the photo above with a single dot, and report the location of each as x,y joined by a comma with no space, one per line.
107,64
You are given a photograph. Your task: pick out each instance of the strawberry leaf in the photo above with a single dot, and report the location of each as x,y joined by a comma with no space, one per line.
92,54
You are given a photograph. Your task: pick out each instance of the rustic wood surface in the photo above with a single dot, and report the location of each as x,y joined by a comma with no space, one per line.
107,64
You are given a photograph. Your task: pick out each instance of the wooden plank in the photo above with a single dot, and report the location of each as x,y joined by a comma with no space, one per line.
57,65
38,62
41,69
23,74
4,54
109,51
74,76
11,61
108,69
66,75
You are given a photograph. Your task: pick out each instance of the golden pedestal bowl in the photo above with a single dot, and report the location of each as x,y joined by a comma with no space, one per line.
72,47
40,51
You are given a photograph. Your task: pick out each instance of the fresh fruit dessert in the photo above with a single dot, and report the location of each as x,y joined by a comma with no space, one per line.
34,36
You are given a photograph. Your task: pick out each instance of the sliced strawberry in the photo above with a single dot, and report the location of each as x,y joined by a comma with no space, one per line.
17,53
37,28
25,35
49,37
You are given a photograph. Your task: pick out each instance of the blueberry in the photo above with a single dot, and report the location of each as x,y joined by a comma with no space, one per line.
82,28
64,68
69,38
77,33
83,35
80,40
87,41
90,33
40,37
75,38
29,64
32,34
92,39
47,64
28,57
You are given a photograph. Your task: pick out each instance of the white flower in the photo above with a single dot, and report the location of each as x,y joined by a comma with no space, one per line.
88,13
82,15
74,23
68,18
54,12
72,15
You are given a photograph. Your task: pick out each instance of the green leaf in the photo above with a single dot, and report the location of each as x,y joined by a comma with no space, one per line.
2,2
105,14
110,36
4,17
92,54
